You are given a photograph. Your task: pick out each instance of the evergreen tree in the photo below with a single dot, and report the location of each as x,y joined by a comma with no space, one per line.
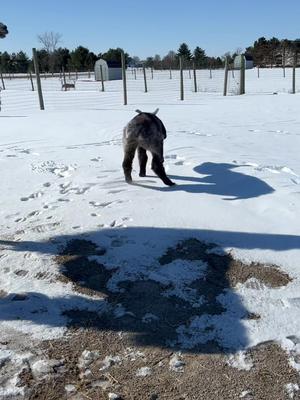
22,62
5,62
200,57
114,55
185,52
3,30
78,58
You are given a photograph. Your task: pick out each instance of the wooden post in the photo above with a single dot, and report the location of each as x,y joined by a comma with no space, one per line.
30,76
124,77
145,79
225,77
134,72
2,80
195,78
38,79
102,80
151,72
64,79
170,73
294,74
258,71
210,73
242,75
181,79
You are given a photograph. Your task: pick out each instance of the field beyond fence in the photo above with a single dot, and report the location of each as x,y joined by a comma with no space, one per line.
19,91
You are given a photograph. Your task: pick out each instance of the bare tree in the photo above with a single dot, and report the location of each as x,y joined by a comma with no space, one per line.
50,41
3,30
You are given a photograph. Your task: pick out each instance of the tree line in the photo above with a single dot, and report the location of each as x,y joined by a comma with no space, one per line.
265,52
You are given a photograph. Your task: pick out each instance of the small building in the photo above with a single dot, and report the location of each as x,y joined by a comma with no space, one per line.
111,70
248,61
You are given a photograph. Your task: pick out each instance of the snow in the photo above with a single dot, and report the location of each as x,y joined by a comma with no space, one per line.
144,371
240,361
236,164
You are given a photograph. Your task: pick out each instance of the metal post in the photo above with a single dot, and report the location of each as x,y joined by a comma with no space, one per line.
145,79
181,79
124,77
38,79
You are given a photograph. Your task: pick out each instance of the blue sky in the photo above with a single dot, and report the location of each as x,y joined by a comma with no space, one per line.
148,27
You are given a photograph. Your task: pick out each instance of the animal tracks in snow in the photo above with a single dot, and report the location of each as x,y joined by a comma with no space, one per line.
32,196
274,169
176,160
60,170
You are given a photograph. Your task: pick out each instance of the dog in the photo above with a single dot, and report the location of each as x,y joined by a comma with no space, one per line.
145,132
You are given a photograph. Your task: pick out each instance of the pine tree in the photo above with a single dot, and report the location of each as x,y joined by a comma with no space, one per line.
185,52
200,57
3,30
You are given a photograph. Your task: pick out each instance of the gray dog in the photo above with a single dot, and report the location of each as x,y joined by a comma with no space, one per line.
145,132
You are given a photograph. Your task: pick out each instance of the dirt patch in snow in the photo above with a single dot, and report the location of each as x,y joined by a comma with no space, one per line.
109,352
200,376
223,268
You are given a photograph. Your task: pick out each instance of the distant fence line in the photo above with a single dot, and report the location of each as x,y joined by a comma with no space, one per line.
183,81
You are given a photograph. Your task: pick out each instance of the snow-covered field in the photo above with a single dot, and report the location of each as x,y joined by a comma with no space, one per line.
235,161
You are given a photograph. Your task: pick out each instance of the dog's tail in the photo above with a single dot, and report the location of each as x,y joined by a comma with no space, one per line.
141,112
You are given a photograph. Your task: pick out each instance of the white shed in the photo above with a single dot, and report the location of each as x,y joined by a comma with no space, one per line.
111,70
248,61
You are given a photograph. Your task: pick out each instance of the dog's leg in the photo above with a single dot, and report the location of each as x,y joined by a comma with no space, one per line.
142,154
129,151
159,169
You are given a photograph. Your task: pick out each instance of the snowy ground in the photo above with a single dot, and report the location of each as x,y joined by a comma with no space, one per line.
236,165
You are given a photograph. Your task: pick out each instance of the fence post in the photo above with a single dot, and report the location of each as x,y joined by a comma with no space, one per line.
283,61
31,81
151,72
181,79
145,79
124,77
195,77
64,78
210,73
2,80
134,72
225,77
102,80
258,71
38,79
242,75
294,74
170,73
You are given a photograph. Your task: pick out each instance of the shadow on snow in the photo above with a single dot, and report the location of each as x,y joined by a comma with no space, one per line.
170,296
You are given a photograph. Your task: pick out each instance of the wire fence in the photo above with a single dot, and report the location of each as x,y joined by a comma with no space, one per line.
19,92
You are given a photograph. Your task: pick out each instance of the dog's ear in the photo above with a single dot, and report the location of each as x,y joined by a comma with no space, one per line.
156,111
139,111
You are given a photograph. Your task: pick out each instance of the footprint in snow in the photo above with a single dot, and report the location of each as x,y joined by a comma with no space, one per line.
35,195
